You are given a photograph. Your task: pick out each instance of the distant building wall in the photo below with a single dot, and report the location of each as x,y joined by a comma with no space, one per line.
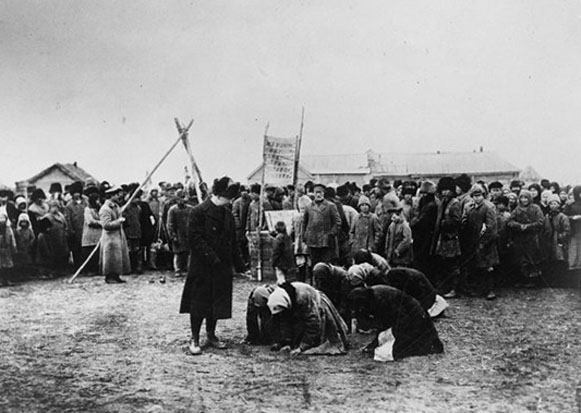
45,181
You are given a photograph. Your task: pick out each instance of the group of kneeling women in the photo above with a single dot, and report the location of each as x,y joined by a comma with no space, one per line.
398,303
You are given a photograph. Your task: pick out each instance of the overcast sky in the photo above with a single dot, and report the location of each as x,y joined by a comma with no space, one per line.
100,82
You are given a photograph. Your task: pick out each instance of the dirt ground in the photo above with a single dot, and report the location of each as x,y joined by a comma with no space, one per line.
90,346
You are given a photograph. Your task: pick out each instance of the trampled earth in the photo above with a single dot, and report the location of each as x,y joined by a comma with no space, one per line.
91,346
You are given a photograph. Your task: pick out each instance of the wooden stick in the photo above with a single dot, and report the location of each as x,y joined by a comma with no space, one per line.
260,209
297,159
76,274
195,169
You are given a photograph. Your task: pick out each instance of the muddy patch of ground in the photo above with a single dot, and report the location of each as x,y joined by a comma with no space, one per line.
90,346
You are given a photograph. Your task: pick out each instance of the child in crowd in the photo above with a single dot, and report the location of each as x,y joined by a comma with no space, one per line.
365,228
25,241
43,245
399,241
7,249
282,254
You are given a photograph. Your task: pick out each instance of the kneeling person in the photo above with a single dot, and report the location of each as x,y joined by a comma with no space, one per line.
307,320
399,316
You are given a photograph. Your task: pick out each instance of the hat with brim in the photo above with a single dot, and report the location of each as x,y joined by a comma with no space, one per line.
319,185
114,190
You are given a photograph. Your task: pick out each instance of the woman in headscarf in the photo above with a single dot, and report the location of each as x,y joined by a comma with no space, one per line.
535,190
37,209
308,322
7,248
525,224
258,317
573,211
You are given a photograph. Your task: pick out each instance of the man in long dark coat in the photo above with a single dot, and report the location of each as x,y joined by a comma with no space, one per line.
213,252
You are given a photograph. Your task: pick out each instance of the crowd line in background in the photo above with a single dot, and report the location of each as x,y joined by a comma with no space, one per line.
465,237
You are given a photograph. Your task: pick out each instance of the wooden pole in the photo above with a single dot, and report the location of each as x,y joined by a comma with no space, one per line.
197,175
260,209
132,197
297,158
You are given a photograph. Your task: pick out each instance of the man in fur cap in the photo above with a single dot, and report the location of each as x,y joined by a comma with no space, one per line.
214,251
446,243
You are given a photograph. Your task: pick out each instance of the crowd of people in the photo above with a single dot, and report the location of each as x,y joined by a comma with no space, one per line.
349,251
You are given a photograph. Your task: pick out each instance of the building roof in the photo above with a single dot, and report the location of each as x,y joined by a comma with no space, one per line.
336,164
71,170
448,163
407,164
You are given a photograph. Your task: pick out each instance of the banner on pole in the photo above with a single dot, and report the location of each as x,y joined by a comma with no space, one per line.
279,158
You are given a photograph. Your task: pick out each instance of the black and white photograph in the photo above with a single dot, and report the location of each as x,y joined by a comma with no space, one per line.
290,206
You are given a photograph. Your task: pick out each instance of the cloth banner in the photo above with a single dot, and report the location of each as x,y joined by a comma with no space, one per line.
272,217
279,158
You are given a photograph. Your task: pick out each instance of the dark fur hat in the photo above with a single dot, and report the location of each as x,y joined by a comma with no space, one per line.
495,184
225,187
342,190
55,187
76,188
38,193
446,182
464,183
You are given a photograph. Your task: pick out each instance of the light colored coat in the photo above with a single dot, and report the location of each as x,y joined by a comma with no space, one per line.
92,228
114,259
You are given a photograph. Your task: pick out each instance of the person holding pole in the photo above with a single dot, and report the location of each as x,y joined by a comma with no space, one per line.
114,259
214,252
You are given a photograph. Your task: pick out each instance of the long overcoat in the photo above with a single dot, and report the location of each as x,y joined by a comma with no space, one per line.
321,223
75,214
177,227
447,231
482,232
213,252
114,252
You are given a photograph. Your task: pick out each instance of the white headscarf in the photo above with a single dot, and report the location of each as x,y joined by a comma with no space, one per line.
279,301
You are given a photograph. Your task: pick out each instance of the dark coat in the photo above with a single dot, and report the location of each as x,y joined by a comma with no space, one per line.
423,227
408,280
321,223
147,222
334,282
447,230
556,232
240,209
177,227
526,224
482,243
384,307
398,244
312,322
213,252
283,256
75,215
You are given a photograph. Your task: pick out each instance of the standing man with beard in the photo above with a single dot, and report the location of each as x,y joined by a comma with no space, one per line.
214,251
321,224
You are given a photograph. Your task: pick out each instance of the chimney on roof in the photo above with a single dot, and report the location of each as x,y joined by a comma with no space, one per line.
481,149
75,164
438,152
